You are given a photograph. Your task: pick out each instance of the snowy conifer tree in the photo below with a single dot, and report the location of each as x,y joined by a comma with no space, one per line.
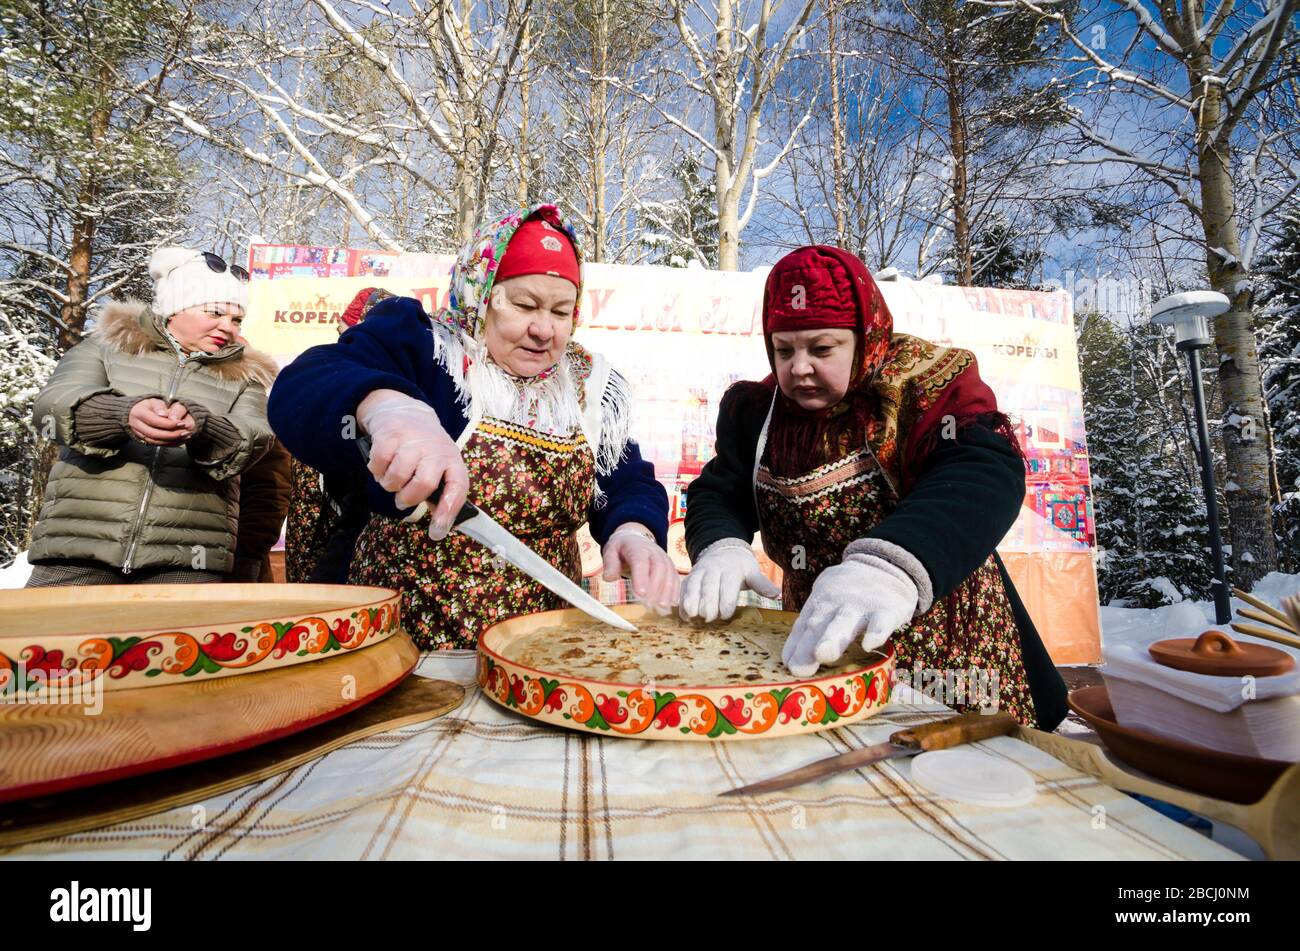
1279,356
27,345
1153,546
683,228
90,179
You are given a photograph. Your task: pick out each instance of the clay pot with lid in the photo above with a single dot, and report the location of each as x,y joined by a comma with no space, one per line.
1218,655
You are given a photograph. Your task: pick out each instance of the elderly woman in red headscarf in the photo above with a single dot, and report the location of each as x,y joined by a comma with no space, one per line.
489,399
882,476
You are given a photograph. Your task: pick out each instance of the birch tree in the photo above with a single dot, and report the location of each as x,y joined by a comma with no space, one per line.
860,178
732,57
593,50
446,72
1198,74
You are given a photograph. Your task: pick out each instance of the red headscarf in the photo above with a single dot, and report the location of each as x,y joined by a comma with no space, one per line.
813,288
818,286
538,248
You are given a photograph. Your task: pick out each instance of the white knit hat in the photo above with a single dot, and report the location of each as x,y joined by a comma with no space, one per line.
182,279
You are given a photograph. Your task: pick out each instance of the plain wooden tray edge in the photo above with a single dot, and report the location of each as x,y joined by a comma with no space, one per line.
58,829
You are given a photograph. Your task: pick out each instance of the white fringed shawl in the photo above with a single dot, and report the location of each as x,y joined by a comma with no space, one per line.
597,401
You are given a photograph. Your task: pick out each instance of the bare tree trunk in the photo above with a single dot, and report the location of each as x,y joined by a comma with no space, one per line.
1250,517
468,163
724,126
959,145
837,129
73,310
522,192
466,188
600,99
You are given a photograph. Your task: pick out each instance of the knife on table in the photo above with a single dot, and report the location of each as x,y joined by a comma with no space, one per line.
478,525
939,735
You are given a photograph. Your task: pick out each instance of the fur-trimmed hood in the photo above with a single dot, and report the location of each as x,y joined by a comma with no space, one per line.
129,327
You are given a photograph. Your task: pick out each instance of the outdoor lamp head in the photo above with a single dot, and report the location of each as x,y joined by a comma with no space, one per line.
1189,314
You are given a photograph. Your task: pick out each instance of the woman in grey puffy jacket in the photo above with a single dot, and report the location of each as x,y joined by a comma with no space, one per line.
157,412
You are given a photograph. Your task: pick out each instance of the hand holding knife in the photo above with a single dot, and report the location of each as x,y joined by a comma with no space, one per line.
471,521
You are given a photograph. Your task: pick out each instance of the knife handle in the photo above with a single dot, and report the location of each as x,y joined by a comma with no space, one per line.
954,731
467,510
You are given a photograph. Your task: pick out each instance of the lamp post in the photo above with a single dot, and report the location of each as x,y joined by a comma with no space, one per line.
1189,315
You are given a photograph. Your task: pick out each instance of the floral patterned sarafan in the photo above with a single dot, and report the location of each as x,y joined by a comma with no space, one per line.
309,523
155,658
687,713
536,485
819,513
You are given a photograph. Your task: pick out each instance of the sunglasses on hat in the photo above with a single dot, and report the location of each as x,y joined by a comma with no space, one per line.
217,265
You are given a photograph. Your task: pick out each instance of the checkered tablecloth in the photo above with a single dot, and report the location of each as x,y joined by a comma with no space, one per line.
483,782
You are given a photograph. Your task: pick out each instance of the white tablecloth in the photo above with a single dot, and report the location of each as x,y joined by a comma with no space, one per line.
483,782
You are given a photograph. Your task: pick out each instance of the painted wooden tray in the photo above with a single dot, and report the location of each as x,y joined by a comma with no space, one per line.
155,635
673,680
49,748
414,700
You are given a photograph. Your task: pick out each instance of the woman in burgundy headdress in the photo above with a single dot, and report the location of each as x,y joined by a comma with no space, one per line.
882,476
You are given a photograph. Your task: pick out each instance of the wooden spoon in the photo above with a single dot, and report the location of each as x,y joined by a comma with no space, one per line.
1284,627
1262,605
1254,630
1273,822
1292,606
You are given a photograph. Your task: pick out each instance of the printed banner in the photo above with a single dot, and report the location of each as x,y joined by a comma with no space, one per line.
682,336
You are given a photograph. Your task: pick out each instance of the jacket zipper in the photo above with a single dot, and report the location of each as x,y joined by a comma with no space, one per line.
134,537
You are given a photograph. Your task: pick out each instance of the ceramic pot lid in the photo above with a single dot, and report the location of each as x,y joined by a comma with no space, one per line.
1217,654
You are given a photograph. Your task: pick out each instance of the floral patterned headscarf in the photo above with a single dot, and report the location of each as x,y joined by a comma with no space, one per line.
553,401
476,265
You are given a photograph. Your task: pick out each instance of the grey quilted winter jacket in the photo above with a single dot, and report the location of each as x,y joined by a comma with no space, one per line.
130,505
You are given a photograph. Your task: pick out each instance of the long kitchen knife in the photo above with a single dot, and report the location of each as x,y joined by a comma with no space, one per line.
940,735
485,530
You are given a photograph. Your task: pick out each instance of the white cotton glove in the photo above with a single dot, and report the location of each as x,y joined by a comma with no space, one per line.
723,570
412,455
863,596
632,551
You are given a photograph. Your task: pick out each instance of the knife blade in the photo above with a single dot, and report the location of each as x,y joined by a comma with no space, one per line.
488,532
478,525
939,735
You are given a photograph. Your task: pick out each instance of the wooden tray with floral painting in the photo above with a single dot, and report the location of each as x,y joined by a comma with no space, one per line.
92,736
673,680
159,635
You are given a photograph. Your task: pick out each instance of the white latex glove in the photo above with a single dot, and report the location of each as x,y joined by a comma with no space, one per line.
863,596
723,570
411,455
632,551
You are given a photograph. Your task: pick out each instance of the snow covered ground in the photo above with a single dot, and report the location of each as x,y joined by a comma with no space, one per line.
15,576
1187,618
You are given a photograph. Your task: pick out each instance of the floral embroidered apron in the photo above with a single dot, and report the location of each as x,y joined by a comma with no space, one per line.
538,486
808,520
